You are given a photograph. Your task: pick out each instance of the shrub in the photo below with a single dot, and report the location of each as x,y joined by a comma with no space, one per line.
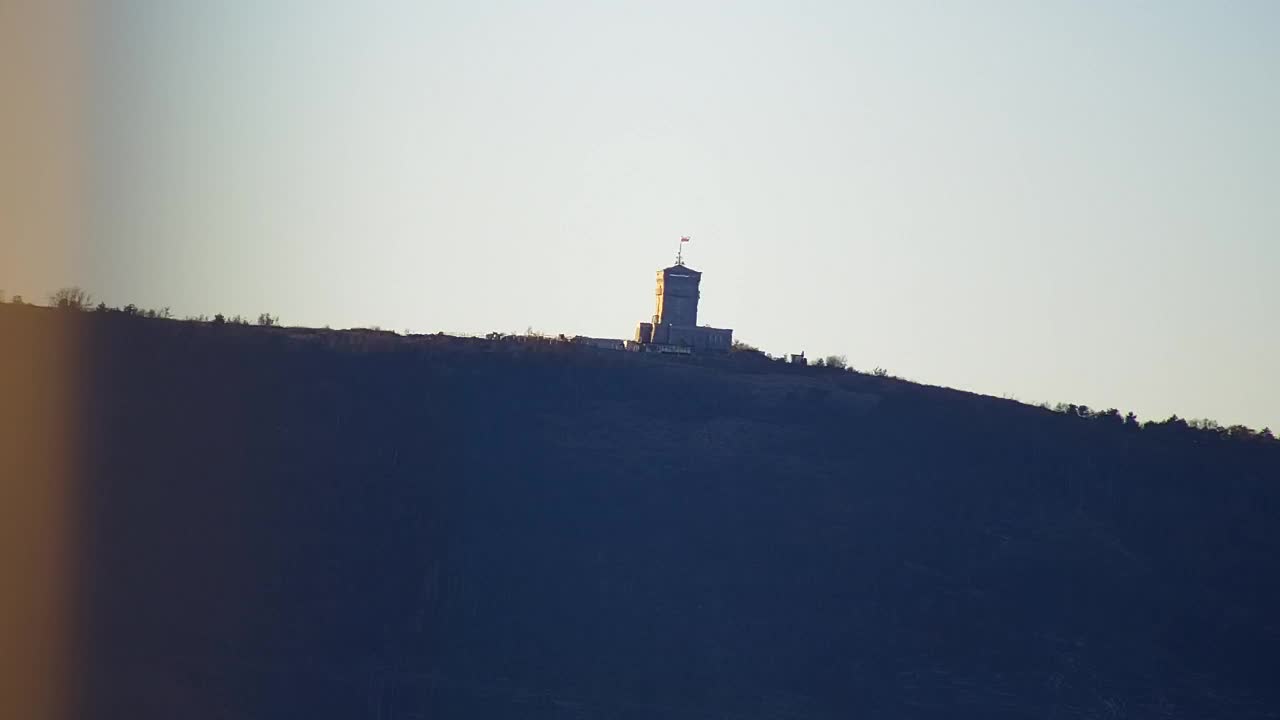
1240,432
1205,424
70,298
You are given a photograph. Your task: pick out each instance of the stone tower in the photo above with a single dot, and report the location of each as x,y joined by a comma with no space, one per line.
677,296
675,319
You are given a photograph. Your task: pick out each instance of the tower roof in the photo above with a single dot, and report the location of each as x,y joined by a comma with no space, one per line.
679,270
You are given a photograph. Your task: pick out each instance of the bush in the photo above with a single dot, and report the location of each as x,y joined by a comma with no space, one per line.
1205,424
70,298
1240,432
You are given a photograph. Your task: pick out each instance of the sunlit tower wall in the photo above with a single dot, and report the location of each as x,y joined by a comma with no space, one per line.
677,297
675,319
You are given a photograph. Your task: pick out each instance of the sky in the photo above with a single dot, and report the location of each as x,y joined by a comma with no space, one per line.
1075,202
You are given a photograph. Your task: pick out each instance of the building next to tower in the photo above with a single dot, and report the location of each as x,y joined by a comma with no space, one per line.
674,326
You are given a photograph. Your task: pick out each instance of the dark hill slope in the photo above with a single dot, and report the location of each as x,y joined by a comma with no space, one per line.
285,523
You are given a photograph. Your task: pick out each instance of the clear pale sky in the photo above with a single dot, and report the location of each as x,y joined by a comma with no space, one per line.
1071,202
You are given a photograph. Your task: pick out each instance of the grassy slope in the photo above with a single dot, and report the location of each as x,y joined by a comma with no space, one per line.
319,524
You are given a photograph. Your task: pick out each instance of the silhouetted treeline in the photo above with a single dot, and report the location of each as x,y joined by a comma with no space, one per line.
73,298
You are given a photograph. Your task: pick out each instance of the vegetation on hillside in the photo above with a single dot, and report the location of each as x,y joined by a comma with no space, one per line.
279,522
74,298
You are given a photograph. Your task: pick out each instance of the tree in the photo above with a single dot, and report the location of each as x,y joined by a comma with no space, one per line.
884,372
1173,422
17,300
1110,416
1240,432
838,362
267,320
219,319
1205,424
71,298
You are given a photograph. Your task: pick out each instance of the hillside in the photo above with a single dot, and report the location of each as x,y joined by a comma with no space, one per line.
274,522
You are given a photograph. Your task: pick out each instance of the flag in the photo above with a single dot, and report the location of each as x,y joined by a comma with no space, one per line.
684,239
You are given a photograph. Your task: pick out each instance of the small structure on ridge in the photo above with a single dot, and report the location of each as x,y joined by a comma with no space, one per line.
674,327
